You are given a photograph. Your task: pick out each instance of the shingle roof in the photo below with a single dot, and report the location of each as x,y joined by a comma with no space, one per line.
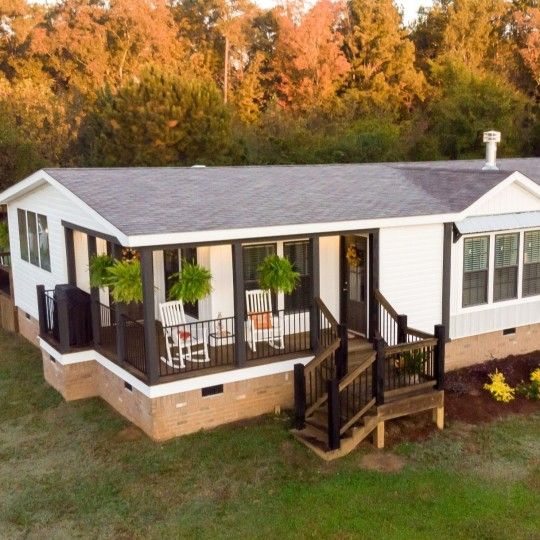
142,201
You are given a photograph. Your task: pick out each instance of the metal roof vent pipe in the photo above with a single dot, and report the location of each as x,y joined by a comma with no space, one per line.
491,138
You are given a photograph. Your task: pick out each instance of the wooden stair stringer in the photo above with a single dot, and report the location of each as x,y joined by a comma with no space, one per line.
348,443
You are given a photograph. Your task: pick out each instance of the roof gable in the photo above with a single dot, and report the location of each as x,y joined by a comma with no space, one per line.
517,193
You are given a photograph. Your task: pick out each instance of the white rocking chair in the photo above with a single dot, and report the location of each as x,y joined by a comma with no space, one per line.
182,336
261,324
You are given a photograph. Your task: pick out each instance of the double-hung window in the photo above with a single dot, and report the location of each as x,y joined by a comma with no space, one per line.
531,264
172,261
475,270
34,239
505,278
298,253
253,257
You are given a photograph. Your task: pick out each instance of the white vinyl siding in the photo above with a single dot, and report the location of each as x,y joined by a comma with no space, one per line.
410,272
496,314
47,201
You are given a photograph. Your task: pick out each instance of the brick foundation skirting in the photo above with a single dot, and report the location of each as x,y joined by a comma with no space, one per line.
187,412
28,327
177,414
464,352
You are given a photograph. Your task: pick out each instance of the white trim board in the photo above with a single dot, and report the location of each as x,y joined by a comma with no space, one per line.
175,387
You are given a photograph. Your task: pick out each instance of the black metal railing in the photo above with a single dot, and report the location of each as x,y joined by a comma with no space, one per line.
134,350
196,346
50,325
388,320
317,373
327,327
357,393
409,364
276,334
106,341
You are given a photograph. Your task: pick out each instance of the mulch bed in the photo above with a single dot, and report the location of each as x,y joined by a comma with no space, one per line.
466,401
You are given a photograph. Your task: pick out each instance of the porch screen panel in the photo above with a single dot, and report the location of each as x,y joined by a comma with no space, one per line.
506,266
531,264
475,270
298,254
23,234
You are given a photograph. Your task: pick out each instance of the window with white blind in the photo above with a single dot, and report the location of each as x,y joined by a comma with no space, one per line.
34,239
505,278
475,270
171,261
298,253
531,263
253,257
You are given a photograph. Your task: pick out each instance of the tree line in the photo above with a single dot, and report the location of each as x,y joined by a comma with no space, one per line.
180,82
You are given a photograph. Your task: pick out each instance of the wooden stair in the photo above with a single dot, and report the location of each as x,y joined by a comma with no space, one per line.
315,434
352,386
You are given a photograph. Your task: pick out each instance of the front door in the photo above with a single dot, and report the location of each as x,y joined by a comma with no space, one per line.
354,287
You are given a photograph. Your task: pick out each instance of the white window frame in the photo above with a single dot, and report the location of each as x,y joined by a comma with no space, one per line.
29,261
458,251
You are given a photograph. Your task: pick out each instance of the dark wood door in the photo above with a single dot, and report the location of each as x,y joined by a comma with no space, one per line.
355,283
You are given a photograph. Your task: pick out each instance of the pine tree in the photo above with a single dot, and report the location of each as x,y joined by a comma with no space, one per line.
161,119
383,75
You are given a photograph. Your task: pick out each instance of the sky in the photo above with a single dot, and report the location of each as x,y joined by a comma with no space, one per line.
410,7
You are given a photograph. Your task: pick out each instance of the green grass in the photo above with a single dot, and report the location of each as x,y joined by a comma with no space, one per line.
67,470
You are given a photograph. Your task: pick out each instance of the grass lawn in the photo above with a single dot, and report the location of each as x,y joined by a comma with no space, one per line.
79,470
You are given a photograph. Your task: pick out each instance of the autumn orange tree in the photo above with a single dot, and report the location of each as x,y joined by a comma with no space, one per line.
322,81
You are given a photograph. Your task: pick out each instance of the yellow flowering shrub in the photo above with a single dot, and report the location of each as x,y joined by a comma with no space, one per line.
535,375
499,388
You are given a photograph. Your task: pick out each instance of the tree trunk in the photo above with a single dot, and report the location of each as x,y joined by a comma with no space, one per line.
226,71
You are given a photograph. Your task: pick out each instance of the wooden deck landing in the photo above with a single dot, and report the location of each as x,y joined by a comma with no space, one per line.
315,437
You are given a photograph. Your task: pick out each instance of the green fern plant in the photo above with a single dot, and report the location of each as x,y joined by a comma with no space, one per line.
99,270
191,284
4,236
277,274
125,282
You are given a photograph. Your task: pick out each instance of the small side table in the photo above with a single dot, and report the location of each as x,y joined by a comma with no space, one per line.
220,340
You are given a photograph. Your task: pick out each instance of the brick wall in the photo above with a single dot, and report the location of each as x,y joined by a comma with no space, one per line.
28,327
73,381
475,349
177,414
189,412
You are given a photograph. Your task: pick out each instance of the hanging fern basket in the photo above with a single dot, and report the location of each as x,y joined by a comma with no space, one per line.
191,284
277,274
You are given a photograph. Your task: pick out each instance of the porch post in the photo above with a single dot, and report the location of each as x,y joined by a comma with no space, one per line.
150,335
373,283
94,294
440,334
315,272
447,272
378,371
41,309
70,256
239,304
402,325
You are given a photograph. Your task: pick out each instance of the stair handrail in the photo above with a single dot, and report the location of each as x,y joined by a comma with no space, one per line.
329,360
357,378
394,327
